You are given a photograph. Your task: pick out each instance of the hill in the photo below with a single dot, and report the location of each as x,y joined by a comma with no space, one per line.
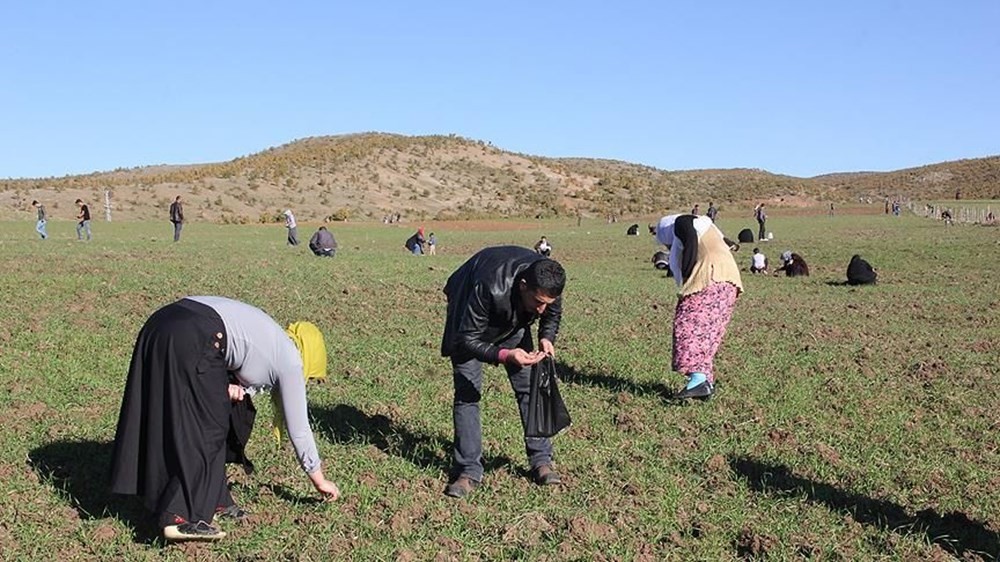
370,175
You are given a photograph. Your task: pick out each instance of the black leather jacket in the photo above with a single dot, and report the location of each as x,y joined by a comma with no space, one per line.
484,306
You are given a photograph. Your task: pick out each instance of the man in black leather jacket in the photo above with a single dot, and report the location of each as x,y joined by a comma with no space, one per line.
493,299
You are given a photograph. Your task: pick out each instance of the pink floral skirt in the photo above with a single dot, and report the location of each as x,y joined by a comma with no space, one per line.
699,324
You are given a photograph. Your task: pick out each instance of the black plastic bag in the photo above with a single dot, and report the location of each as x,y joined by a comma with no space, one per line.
547,414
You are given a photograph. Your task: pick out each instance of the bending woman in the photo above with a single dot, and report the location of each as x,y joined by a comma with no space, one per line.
708,282
187,406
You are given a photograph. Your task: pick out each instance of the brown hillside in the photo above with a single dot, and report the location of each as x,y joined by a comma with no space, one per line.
367,176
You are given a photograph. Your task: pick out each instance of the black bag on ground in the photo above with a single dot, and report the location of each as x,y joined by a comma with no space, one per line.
547,414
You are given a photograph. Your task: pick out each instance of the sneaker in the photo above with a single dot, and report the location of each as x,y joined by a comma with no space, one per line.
701,392
545,475
461,487
199,531
233,512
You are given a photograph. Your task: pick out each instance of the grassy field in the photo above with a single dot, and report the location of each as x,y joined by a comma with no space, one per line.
850,423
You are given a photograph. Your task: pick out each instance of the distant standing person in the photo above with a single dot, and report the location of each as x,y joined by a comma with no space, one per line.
415,244
432,245
177,217
293,228
493,299
84,220
712,211
708,283
42,220
761,215
696,210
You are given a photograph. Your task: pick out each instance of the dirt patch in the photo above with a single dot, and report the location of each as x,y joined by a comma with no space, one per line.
528,530
751,545
583,528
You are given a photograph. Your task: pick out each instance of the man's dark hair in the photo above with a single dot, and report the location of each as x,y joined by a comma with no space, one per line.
546,275
35,202
79,201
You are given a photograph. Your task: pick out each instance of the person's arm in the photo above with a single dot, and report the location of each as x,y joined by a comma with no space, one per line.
548,326
292,389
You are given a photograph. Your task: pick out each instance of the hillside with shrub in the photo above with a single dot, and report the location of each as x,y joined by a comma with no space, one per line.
373,175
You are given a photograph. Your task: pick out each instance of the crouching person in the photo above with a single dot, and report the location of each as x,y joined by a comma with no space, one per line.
187,410
860,272
323,243
493,299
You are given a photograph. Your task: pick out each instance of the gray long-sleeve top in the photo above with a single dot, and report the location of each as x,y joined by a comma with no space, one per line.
264,357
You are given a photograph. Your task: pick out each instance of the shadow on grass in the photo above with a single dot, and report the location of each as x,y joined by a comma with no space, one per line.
347,424
569,374
954,532
79,470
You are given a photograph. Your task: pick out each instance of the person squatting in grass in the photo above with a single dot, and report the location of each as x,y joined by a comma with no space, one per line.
708,282
493,299
186,410
323,243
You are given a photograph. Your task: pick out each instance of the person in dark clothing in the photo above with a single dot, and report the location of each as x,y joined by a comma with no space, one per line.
84,220
415,243
745,236
712,211
177,217
632,230
761,215
493,299
186,410
860,272
793,265
323,243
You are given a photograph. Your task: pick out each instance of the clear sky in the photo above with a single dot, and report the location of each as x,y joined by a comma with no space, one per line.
795,87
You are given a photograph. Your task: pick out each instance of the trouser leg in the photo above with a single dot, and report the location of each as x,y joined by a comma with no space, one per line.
467,454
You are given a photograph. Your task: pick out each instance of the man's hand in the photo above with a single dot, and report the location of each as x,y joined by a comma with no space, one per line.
522,358
547,347
236,393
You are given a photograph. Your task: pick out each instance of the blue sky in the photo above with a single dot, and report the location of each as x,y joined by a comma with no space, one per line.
800,88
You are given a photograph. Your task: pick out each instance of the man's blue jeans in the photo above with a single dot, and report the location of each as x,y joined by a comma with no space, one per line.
81,227
40,229
467,458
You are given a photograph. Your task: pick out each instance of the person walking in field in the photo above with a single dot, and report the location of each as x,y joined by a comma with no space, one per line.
187,410
292,226
177,217
42,220
708,284
712,211
493,299
432,245
83,218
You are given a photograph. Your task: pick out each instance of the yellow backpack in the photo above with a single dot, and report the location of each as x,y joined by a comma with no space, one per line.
309,340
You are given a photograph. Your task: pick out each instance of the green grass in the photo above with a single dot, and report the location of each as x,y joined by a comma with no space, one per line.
851,423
